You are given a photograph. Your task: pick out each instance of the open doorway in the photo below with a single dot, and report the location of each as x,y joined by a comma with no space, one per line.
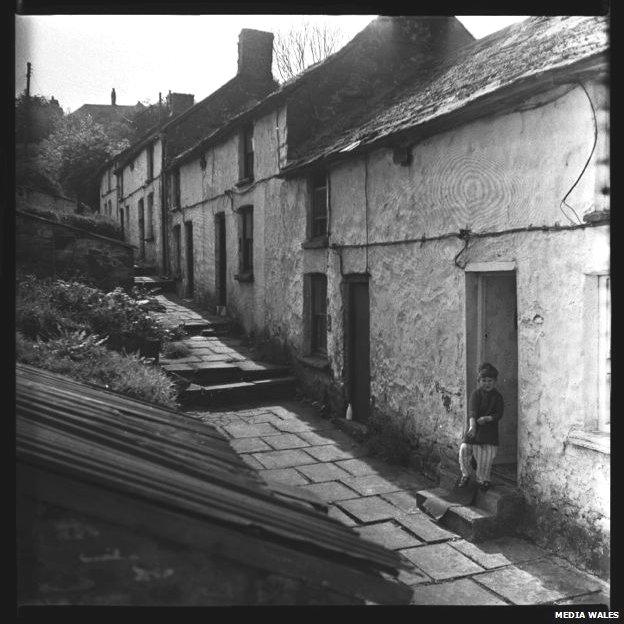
492,336
190,262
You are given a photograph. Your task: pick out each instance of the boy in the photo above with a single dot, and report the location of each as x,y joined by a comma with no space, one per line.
485,409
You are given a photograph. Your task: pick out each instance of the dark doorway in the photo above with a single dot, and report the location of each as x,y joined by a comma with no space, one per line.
220,259
492,336
141,230
177,252
190,281
358,345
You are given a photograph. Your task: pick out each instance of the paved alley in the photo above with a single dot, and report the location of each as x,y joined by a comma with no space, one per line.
288,441
291,443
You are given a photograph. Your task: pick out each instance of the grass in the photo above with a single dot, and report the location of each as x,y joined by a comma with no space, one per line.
175,350
84,358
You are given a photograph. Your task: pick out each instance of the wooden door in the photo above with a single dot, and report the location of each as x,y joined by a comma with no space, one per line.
220,259
359,349
498,344
190,264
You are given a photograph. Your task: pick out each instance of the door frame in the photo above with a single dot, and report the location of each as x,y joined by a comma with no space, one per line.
220,257
484,269
347,282
190,258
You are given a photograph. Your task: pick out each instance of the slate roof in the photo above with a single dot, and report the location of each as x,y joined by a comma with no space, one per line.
106,113
151,453
530,48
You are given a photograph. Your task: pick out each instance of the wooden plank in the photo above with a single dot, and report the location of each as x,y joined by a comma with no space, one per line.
346,576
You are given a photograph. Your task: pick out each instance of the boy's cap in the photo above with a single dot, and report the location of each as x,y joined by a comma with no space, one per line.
487,370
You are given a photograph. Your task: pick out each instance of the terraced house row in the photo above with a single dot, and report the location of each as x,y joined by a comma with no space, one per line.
415,204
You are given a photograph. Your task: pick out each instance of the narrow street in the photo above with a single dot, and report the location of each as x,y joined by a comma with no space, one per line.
288,441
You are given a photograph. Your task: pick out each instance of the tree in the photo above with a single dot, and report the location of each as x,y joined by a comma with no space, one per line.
74,151
304,45
35,117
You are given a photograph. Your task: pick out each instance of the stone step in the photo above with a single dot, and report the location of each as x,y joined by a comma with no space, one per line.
144,270
217,373
217,329
493,513
240,392
155,281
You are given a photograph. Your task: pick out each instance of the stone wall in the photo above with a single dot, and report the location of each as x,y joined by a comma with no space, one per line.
54,249
26,197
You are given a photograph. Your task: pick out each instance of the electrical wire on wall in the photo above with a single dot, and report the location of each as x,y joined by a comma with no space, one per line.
563,201
465,236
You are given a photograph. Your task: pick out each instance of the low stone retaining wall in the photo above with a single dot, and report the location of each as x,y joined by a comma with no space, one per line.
48,248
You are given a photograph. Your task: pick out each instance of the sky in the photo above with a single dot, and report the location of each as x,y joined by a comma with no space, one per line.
78,59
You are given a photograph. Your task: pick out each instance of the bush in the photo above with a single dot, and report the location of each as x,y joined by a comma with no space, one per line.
174,350
45,308
83,357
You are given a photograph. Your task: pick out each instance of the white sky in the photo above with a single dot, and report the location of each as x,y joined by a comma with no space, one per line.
79,58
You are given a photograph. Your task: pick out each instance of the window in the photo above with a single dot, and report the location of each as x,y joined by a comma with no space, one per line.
175,188
245,243
604,352
120,185
150,217
150,161
317,313
247,155
318,212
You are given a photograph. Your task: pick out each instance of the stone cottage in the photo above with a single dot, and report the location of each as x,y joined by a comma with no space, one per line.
417,203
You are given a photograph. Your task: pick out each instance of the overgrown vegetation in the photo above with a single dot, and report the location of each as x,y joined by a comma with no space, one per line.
85,358
94,222
175,350
46,307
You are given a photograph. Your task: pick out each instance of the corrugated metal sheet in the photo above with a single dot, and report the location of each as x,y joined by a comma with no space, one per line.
142,450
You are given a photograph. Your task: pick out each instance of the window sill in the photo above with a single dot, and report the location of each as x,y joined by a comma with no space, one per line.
244,277
244,182
317,242
320,362
595,440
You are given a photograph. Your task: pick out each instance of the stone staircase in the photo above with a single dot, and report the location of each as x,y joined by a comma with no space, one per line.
147,277
493,513
221,371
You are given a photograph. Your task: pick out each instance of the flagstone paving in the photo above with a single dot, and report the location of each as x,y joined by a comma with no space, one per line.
289,442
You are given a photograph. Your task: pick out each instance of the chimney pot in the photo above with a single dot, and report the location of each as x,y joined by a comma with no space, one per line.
113,97
255,53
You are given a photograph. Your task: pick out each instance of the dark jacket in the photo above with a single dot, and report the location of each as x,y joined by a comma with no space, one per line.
482,403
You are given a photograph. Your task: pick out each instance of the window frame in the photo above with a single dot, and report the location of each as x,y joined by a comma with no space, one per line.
150,162
246,156
149,230
604,353
317,231
245,243
316,314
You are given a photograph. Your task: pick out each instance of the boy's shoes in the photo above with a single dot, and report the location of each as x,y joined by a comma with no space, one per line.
462,482
485,486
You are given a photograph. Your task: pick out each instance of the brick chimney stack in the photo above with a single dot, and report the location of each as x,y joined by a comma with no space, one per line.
255,53
179,102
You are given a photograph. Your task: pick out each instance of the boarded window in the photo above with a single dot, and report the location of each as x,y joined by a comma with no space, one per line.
318,212
318,313
245,241
150,161
604,352
150,216
247,154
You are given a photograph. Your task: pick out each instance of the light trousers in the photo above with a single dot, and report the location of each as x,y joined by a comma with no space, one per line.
484,454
